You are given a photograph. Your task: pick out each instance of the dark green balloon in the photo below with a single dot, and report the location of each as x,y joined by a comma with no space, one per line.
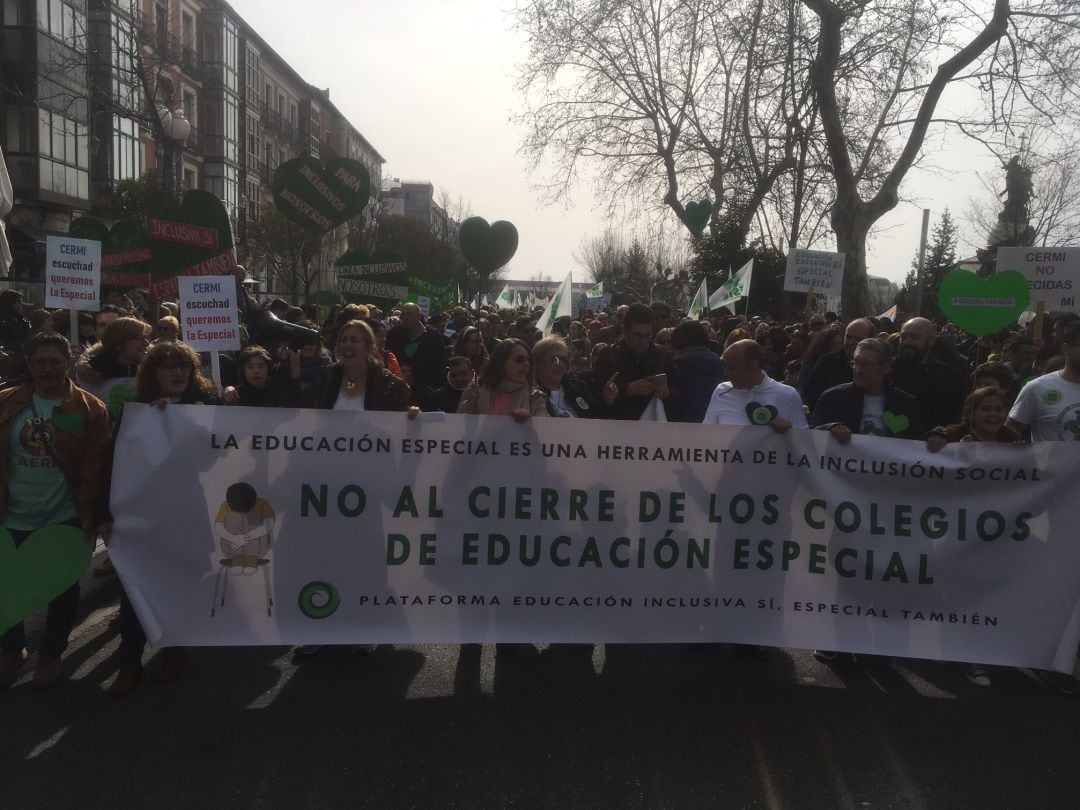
697,215
487,247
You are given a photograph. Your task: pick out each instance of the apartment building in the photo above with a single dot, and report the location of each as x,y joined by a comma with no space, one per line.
82,83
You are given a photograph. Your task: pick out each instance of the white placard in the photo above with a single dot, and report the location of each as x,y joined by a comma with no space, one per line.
72,273
1053,274
209,319
820,269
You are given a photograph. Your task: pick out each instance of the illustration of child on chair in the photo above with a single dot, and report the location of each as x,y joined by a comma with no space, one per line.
244,528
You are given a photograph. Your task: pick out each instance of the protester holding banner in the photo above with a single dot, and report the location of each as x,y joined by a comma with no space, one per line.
1049,406
567,394
358,381
834,368
256,388
53,441
505,386
171,373
870,405
938,388
751,397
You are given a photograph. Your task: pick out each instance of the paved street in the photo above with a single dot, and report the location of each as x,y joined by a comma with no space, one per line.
565,727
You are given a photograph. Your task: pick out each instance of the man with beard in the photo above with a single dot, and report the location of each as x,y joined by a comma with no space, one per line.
938,388
834,368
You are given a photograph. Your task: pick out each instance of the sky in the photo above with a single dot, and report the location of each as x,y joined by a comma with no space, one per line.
430,83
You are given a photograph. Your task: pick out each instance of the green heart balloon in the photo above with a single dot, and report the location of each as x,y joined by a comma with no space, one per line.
983,305
487,247
761,414
697,216
317,198
126,254
896,423
48,562
118,395
193,237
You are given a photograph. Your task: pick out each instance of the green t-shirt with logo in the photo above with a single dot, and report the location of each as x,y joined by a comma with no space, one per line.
38,493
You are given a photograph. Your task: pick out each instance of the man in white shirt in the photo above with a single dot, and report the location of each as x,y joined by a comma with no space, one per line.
1050,404
752,397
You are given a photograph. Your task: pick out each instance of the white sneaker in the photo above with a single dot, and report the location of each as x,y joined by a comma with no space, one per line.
977,674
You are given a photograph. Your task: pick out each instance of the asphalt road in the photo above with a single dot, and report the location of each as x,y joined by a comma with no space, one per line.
562,727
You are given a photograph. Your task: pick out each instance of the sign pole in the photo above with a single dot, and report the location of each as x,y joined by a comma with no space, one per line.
215,370
809,303
1040,317
74,314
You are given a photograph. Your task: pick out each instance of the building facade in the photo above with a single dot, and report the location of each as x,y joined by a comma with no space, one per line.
83,84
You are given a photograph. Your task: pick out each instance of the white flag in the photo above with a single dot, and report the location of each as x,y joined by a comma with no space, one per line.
560,305
506,298
736,287
890,313
518,300
654,411
596,292
701,300
7,201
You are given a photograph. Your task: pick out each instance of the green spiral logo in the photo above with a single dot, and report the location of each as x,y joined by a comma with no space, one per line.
318,600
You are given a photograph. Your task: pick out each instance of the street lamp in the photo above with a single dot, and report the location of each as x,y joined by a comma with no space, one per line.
176,128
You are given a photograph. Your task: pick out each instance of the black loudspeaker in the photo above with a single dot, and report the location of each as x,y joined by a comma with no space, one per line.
269,327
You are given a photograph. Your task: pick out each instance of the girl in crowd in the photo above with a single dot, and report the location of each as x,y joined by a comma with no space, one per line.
53,441
985,414
469,342
256,389
505,385
171,373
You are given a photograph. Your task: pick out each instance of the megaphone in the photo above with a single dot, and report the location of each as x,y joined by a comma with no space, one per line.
269,326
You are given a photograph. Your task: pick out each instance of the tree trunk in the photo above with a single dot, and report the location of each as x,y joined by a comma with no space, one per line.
851,229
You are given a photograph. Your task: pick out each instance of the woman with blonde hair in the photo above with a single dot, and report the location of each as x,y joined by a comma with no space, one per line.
113,363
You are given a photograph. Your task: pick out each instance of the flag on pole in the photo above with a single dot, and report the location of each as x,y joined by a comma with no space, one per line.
736,287
506,298
560,305
459,299
518,300
890,313
596,292
700,302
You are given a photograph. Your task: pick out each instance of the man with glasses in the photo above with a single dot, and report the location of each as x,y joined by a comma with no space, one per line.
633,369
869,405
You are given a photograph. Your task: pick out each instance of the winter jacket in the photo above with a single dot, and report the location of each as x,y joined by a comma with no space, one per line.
426,354
81,444
522,397
937,387
696,374
843,404
101,373
630,367
383,391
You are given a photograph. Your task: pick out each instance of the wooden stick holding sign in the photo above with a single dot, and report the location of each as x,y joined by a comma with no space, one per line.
1040,318
809,310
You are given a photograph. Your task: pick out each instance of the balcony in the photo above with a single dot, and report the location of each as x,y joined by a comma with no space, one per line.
274,121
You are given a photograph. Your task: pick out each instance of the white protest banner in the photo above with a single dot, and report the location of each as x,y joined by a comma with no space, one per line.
820,269
276,526
1052,273
72,273
209,320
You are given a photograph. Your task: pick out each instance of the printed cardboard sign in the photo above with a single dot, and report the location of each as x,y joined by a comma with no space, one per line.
126,256
983,305
193,238
209,319
820,269
1052,273
317,198
364,279
72,273
487,247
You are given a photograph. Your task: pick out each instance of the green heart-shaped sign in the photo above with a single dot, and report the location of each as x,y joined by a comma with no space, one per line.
319,199
983,305
487,247
193,238
67,422
697,216
48,562
761,414
126,255
896,423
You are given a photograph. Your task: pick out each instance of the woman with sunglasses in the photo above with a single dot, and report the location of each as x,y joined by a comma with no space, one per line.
505,385
567,394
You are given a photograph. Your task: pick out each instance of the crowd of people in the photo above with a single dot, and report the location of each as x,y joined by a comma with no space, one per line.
61,402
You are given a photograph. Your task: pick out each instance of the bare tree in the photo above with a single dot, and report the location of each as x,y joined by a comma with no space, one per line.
282,252
676,101
879,75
